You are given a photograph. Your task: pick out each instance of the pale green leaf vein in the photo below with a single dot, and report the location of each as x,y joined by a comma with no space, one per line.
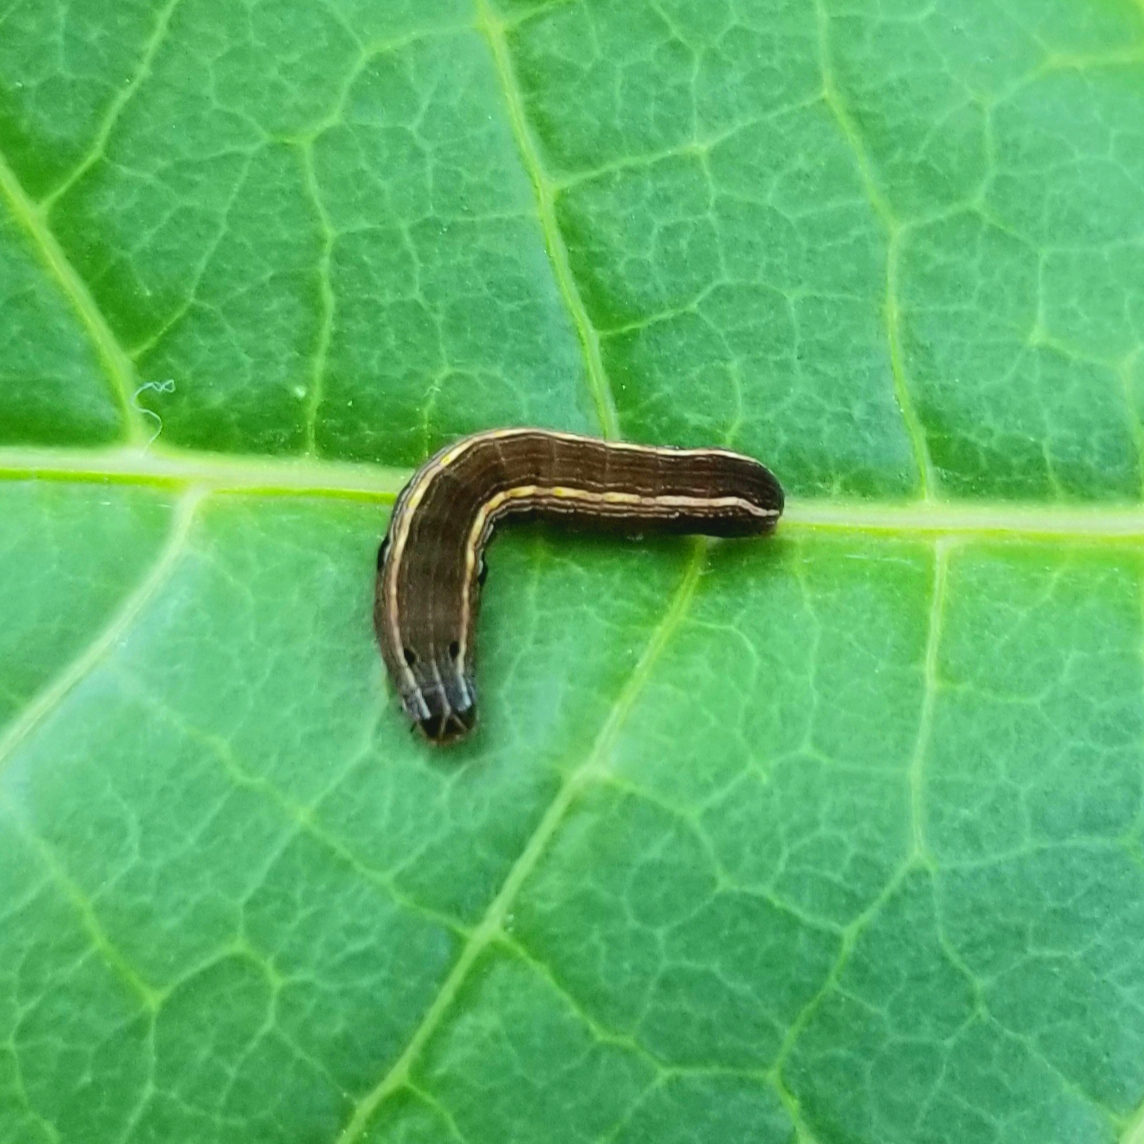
117,365
1134,1129
51,696
930,686
19,1088
328,303
147,995
302,818
1124,371
882,209
490,927
600,1033
203,264
850,936
546,192
117,106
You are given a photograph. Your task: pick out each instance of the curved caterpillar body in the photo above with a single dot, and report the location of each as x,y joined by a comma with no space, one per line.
430,565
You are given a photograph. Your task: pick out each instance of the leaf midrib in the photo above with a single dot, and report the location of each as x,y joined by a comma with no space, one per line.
347,480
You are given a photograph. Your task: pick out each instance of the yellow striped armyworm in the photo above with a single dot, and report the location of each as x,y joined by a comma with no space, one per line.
430,566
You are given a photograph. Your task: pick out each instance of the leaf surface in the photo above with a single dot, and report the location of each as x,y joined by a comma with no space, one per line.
834,838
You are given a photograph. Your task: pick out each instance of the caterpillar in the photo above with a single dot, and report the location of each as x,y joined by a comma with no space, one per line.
430,565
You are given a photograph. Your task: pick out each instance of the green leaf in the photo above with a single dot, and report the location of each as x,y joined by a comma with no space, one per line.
834,838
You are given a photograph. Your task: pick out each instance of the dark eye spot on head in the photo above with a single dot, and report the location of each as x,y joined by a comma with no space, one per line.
381,553
454,650
410,658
